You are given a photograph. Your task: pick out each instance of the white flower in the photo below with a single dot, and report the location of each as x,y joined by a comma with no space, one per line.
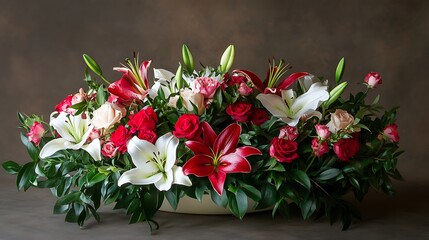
166,82
154,163
289,108
74,132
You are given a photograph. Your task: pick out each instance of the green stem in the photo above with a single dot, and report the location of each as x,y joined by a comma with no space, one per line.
311,163
104,79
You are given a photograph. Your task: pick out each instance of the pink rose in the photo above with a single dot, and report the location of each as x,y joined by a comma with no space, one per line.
109,150
288,133
319,147
347,148
145,119
36,133
191,98
107,115
391,132
64,105
340,119
284,150
244,89
239,111
259,116
147,135
93,135
78,97
373,79
322,131
206,86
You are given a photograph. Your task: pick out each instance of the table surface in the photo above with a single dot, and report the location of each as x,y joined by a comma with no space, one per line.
28,215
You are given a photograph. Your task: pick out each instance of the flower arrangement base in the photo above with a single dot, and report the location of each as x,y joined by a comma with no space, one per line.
188,205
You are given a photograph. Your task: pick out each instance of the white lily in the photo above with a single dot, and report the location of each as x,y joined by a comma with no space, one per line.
289,108
154,163
74,132
165,81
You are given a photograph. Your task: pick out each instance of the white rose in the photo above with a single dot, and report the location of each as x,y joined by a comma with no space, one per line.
107,115
189,97
340,120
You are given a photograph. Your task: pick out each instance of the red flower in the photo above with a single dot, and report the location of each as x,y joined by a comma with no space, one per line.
239,111
218,155
147,135
120,138
289,133
259,116
319,147
64,105
145,119
284,150
391,132
187,126
347,148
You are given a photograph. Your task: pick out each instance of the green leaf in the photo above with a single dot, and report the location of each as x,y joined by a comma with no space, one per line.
61,209
92,64
238,203
301,178
354,182
251,191
173,196
101,95
307,208
72,197
21,118
96,179
31,149
340,70
268,196
26,176
199,192
11,167
329,174
219,200
188,60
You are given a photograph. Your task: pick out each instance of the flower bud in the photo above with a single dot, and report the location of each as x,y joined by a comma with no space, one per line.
322,131
373,79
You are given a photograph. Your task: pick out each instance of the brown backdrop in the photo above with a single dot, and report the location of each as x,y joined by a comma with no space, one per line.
41,44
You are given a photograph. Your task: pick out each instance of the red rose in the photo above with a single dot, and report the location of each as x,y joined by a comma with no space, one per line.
120,138
259,116
239,111
64,105
147,135
187,126
145,119
391,133
284,150
319,147
347,148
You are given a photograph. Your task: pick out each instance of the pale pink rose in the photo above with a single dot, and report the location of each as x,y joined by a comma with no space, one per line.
288,133
373,79
391,132
195,98
244,89
36,133
109,150
107,115
93,135
206,86
340,119
78,97
322,131
172,101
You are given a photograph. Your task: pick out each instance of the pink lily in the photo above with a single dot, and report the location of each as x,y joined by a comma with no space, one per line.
134,84
218,155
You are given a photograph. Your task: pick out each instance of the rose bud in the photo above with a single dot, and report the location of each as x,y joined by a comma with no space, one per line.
322,131
289,133
36,133
390,132
373,79
319,147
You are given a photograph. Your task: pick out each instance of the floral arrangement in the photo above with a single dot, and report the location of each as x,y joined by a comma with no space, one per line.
288,141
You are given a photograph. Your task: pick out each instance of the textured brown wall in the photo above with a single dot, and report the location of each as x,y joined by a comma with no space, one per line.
41,43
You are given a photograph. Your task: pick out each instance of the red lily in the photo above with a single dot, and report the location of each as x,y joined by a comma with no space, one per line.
134,84
218,155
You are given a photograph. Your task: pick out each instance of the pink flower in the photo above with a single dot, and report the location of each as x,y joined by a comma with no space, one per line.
109,150
288,133
323,131
206,86
36,133
391,132
319,147
93,135
373,79
64,105
78,97
244,89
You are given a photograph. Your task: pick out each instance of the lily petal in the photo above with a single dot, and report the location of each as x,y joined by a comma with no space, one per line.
198,148
143,73
311,99
247,151
141,151
60,124
274,104
163,74
165,182
227,140
208,133
217,179
253,78
167,144
233,163
199,165
291,79
179,177
94,149
52,147
139,176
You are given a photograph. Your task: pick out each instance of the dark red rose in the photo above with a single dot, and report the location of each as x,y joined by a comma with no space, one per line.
284,150
239,111
64,105
187,126
120,138
145,119
347,148
259,116
319,147
147,135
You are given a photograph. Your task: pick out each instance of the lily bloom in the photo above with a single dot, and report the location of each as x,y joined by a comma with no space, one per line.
218,155
134,84
154,163
74,132
290,108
